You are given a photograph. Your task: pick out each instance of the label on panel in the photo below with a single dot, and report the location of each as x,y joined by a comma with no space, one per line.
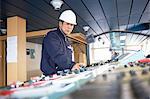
12,49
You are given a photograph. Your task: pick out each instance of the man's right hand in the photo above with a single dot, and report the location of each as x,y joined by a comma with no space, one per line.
76,66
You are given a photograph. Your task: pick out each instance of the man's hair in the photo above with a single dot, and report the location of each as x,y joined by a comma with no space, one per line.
61,21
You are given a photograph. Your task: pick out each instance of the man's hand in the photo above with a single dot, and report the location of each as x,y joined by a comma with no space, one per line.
77,66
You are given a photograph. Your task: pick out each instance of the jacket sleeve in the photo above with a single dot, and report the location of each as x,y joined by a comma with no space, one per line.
56,52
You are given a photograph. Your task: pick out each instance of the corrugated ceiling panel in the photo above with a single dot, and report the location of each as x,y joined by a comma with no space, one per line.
96,11
123,11
110,11
81,10
138,6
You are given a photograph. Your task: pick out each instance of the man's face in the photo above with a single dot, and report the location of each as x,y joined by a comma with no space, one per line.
66,27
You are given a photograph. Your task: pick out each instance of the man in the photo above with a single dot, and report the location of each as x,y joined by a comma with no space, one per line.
114,55
56,49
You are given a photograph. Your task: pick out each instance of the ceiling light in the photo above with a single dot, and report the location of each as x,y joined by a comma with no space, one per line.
56,4
1,20
3,31
103,42
86,28
122,44
99,38
122,37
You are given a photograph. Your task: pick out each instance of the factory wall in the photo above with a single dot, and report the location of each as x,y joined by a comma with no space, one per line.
99,51
33,59
146,47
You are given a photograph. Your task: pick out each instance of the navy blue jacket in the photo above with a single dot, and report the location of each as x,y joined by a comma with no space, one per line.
56,54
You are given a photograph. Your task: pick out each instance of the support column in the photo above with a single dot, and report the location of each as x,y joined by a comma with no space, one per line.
16,49
88,54
1,64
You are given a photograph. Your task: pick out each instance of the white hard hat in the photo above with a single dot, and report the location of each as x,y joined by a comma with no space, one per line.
68,16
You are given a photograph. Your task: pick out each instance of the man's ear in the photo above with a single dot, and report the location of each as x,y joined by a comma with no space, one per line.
60,24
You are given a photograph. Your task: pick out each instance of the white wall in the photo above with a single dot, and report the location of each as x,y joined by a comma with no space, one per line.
99,51
146,47
34,64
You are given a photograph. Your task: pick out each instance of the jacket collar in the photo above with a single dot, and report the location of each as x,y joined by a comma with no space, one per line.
62,33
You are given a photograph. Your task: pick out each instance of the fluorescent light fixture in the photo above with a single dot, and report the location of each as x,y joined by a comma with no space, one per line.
86,28
3,31
122,44
122,37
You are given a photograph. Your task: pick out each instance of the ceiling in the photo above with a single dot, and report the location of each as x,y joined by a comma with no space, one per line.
100,15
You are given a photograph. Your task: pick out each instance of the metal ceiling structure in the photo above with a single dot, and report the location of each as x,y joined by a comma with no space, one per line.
100,15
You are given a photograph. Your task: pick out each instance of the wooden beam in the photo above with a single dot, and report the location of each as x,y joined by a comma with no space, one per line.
38,33
78,35
76,39
31,34
74,36
3,38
